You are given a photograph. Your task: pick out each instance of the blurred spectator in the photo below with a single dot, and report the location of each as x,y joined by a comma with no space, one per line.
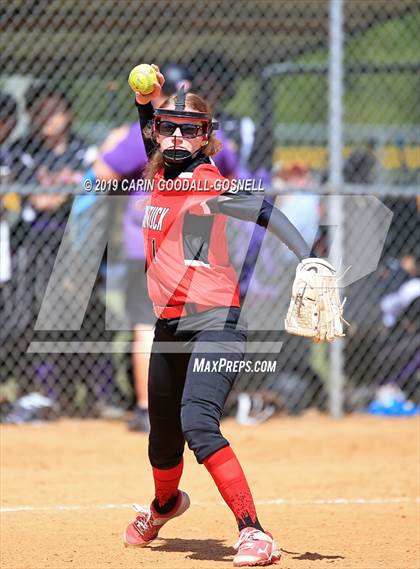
8,118
300,206
362,166
383,339
276,265
9,212
50,155
398,359
266,282
393,305
403,235
54,155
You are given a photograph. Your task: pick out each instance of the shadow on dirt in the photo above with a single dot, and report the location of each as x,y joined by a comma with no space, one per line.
202,549
308,556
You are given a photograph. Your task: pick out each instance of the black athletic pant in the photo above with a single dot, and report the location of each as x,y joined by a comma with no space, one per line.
186,403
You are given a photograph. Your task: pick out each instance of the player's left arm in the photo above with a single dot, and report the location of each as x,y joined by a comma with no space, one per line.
248,207
315,308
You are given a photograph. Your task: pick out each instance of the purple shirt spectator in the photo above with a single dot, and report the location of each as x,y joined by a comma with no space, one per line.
227,160
128,159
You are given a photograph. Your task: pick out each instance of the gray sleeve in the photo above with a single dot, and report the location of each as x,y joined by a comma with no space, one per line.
248,207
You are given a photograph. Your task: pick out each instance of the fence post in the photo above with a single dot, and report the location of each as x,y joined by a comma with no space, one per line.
335,205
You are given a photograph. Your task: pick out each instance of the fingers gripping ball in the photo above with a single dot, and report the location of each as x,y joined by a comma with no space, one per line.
142,78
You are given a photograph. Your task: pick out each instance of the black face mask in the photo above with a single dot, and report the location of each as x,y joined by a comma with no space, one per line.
178,156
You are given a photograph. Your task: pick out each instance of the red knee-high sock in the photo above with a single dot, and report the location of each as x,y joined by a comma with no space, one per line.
230,479
166,484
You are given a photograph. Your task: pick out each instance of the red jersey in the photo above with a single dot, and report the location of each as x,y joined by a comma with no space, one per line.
187,258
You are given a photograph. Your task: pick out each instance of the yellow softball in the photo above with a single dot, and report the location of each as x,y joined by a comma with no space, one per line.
142,78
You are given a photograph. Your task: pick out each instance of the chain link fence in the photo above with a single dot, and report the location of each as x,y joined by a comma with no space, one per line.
67,256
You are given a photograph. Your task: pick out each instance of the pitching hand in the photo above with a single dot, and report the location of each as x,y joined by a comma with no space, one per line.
144,99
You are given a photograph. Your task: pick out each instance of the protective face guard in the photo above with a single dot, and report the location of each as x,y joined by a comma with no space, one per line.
180,156
208,123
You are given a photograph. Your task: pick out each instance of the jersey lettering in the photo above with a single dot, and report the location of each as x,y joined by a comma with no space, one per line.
154,217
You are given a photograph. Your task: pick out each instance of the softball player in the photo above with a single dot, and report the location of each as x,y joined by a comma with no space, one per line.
195,294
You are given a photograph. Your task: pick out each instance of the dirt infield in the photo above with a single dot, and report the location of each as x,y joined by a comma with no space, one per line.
340,494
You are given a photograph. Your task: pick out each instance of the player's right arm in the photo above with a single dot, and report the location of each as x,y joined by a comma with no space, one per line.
146,120
146,110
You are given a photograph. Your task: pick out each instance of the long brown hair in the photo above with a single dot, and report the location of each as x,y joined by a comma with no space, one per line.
210,149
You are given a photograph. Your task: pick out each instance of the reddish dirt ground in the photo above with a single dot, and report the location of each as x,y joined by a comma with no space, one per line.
336,493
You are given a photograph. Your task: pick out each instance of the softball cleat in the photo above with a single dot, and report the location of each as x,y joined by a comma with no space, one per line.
146,525
255,548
